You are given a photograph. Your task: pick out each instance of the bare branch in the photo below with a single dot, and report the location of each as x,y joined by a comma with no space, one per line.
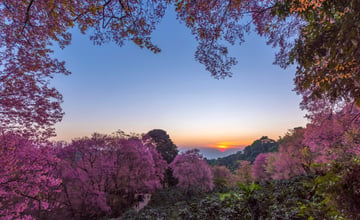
27,15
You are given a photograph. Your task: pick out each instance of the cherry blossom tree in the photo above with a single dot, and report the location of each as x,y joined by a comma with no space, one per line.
222,176
27,178
243,173
192,171
258,168
29,28
83,173
321,37
102,174
272,165
293,158
334,134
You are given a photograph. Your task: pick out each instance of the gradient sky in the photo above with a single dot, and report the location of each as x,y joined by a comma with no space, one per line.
134,90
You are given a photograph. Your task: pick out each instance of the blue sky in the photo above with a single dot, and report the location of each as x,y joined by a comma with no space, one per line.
134,90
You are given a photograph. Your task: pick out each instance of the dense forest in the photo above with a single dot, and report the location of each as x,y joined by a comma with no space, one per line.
287,180
107,176
309,173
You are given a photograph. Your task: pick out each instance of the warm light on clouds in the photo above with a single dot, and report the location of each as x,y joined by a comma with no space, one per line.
195,139
199,140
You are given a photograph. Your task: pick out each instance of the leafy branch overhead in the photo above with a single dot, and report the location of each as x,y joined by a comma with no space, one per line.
320,37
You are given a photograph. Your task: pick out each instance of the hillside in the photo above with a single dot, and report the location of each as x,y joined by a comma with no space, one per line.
262,145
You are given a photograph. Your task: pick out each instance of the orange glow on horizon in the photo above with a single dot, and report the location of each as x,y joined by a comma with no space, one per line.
211,139
182,140
222,148
226,145
212,142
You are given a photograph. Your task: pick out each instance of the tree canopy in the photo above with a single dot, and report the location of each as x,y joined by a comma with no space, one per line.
164,144
192,171
320,37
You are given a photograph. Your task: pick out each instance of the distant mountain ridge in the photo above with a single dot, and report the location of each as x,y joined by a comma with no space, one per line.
211,152
262,145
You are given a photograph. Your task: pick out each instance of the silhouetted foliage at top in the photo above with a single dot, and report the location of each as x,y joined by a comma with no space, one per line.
326,51
321,37
164,144
263,145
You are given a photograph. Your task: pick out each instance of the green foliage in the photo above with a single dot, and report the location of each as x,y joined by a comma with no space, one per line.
332,34
325,50
222,196
168,151
164,144
248,190
263,145
165,203
329,196
339,191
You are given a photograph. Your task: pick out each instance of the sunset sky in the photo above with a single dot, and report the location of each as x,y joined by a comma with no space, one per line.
134,90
